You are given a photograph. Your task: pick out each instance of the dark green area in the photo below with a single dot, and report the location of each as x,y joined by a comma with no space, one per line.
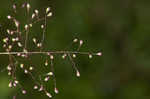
118,28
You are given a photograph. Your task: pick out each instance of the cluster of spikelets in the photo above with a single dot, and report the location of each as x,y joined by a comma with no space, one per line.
18,38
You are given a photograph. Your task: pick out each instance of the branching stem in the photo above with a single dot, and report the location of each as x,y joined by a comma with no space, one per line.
47,52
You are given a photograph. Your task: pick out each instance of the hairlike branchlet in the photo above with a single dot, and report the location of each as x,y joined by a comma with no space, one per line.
18,38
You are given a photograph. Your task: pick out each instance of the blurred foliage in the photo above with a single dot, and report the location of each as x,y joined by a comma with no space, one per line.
118,28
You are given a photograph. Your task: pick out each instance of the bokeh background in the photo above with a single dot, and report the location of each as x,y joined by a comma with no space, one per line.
118,28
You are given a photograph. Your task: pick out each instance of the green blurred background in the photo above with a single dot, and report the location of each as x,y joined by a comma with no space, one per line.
118,28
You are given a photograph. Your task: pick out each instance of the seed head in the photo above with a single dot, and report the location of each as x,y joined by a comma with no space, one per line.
33,15
51,57
46,63
9,68
30,25
30,68
26,27
28,6
35,87
19,44
78,74
47,9
24,91
99,54
16,81
41,88
49,95
39,44
50,73
75,40
56,90
9,17
25,71
74,55
34,40
36,12
90,56
81,42
42,26
49,14
9,73
10,84
16,23
64,56
46,79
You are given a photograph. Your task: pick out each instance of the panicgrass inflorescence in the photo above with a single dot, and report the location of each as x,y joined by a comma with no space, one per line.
15,45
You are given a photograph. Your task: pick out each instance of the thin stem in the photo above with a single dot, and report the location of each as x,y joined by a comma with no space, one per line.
43,34
47,52
27,31
52,69
26,38
73,63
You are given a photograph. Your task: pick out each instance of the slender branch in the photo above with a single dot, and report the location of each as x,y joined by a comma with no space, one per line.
52,69
47,52
44,30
